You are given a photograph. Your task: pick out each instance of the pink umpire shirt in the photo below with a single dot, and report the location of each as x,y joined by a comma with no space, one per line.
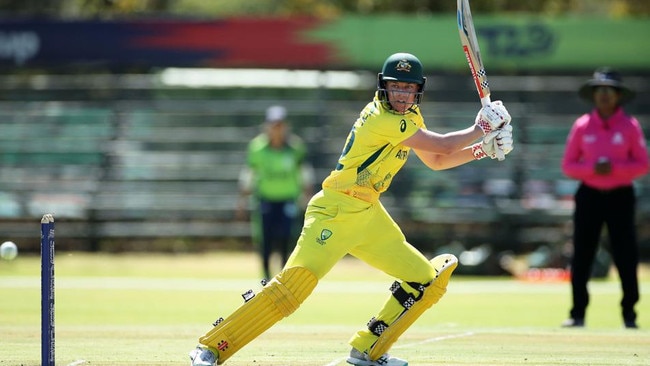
619,139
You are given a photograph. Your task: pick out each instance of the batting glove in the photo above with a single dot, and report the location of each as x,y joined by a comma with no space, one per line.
492,117
496,144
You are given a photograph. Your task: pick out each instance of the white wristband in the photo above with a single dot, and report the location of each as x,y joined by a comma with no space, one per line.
477,151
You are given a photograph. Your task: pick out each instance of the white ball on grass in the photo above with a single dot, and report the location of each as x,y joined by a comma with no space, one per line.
8,250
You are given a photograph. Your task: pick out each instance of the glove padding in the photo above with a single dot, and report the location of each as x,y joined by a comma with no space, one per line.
497,144
492,117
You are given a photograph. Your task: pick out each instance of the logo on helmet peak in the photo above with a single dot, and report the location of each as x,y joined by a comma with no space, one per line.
403,65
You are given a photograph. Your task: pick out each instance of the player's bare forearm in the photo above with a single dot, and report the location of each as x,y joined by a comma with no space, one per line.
441,162
443,144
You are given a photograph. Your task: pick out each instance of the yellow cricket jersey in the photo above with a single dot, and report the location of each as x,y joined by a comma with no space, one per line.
373,152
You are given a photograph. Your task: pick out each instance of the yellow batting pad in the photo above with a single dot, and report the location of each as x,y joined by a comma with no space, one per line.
444,265
278,299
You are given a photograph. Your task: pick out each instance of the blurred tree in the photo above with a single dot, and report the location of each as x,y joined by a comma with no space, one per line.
13,8
317,8
547,7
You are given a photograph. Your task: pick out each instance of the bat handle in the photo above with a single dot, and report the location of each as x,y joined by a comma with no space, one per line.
486,100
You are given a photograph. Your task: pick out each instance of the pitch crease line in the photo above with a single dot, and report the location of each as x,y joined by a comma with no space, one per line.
436,339
77,363
430,340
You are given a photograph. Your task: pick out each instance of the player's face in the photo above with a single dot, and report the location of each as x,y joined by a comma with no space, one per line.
277,132
401,95
606,97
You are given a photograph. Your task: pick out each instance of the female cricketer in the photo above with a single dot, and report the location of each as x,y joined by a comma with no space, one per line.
346,217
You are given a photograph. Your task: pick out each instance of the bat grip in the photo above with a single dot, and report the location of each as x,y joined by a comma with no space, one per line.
485,101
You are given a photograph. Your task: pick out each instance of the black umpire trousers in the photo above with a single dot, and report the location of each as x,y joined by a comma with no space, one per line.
616,209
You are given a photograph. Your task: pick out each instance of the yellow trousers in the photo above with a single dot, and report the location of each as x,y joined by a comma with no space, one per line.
337,224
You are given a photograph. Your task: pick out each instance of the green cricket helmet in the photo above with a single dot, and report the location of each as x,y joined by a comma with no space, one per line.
403,67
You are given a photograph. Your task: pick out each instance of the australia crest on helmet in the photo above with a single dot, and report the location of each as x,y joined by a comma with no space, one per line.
403,65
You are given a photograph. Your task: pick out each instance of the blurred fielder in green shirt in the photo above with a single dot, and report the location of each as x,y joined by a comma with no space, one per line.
279,181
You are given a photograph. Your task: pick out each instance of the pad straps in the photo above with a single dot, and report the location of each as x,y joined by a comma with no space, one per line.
405,298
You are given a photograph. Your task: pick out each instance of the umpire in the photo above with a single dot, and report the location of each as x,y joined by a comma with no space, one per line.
605,151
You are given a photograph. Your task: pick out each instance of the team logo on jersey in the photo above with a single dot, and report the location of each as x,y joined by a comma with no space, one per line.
617,139
324,235
403,65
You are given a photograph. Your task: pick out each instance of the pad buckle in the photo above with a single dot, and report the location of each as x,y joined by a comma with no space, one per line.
377,327
248,295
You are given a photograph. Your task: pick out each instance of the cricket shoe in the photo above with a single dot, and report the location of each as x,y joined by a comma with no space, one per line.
630,324
573,323
203,356
361,359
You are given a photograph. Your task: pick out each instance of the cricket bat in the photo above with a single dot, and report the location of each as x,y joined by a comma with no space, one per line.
473,54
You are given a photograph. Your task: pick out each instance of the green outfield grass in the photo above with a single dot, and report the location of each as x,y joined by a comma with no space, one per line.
150,310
